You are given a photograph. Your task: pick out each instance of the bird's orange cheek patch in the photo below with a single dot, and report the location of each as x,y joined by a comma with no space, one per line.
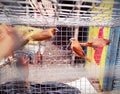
98,52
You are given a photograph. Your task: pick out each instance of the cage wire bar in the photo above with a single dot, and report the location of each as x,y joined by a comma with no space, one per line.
53,63
63,16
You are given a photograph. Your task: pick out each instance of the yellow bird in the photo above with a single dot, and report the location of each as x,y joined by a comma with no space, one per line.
14,38
36,34
43,35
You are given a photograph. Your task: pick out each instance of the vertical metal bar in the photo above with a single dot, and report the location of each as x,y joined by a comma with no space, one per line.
76,28
76,37
27,12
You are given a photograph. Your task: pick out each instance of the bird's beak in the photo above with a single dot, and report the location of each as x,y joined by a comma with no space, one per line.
57,30
71,39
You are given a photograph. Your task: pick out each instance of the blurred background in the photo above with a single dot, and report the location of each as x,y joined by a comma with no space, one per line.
52,60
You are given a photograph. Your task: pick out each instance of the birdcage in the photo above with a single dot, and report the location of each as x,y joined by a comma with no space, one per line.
51,66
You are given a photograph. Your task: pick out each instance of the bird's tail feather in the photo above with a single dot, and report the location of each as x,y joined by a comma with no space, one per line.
87,59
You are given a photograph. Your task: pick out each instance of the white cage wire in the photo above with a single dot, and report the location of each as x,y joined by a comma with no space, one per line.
60,12
54,64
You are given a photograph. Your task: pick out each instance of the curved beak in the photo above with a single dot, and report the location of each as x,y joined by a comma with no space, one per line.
71,39
57,30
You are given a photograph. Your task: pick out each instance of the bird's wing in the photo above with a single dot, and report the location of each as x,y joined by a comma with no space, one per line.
78,51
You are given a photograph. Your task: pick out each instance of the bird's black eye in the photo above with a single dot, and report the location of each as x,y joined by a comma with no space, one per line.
30,30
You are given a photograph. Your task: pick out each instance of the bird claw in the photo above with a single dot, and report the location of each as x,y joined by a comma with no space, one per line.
27,84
